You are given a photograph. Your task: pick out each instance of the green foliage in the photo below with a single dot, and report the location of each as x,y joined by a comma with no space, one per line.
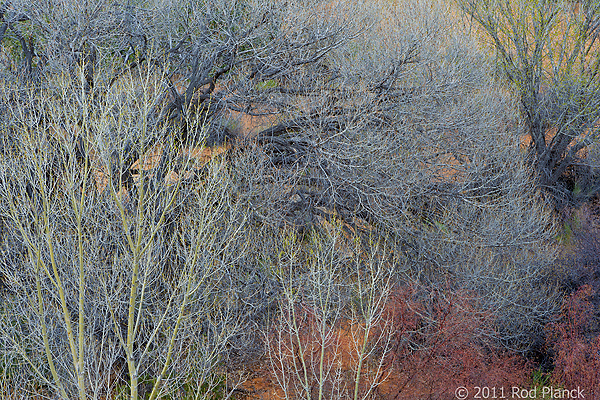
268,84
540,378
569,227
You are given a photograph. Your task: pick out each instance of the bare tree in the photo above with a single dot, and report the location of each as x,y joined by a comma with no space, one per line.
547,51
113,287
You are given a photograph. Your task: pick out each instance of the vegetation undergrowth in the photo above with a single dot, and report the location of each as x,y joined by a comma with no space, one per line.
321,200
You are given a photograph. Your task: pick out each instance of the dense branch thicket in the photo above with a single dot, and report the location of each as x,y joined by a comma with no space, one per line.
384,153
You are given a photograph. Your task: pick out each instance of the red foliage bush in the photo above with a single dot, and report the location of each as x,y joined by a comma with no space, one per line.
576,345
442,342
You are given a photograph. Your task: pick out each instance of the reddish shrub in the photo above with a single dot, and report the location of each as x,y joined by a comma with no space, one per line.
576,345
442,342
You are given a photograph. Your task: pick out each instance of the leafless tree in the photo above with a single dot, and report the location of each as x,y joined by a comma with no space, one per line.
547,50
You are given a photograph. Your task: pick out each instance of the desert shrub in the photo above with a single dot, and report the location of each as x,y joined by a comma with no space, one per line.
575,342
442,341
